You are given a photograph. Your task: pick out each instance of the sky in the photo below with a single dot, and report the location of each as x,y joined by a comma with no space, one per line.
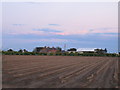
76,24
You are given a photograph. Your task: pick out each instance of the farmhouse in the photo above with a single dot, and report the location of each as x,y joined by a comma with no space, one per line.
46,49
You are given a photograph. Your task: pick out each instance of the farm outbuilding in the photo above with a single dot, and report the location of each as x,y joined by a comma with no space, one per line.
82,50
91,50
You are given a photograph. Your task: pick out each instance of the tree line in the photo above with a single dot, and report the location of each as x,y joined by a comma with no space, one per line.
25,52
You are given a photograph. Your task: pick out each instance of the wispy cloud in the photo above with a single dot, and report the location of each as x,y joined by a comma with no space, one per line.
32,2
49,40
109,34
18,24
54,24
83,33
47,30
107,30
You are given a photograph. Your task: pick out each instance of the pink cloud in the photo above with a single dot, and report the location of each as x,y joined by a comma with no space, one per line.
74,32
61,33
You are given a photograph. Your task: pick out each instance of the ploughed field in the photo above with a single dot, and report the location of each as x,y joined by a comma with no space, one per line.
59,72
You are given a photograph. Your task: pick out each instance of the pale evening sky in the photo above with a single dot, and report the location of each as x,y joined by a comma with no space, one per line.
77,24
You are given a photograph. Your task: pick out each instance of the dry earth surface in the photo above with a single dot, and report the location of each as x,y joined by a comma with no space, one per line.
59,72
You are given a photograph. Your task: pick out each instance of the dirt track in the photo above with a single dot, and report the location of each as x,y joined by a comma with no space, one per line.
60,72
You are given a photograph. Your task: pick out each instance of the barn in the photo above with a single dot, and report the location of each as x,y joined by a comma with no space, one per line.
91,50
85,50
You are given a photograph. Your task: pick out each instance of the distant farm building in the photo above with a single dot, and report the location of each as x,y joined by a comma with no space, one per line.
47,49
91,50
71,50
85,50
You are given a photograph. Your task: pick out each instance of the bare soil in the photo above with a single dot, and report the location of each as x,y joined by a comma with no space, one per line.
59,72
